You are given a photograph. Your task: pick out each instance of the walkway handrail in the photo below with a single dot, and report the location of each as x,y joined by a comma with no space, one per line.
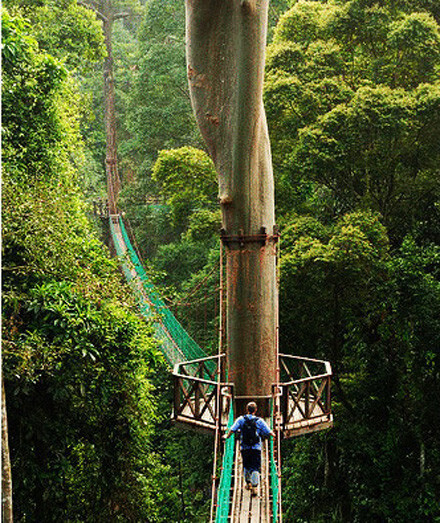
275,473
305,394
224,490
198,397
305,380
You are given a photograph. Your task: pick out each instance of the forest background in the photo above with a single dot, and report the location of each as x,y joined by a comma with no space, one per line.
352,95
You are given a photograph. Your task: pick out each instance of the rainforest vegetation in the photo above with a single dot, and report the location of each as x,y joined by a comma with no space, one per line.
352,96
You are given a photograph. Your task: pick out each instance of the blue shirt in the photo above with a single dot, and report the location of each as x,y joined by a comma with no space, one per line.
262,430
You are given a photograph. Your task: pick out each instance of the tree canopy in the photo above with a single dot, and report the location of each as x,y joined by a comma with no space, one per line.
352,94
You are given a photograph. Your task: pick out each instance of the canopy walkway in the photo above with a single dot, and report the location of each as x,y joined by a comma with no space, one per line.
175,342
203,399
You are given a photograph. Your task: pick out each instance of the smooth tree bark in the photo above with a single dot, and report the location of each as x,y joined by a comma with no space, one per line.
6,466
226,42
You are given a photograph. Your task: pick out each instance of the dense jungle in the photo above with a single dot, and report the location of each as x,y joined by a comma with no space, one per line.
352,98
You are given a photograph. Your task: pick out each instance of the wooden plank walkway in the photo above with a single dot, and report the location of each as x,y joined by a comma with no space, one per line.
246,508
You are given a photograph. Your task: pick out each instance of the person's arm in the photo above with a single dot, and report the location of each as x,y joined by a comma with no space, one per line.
265,429
236,426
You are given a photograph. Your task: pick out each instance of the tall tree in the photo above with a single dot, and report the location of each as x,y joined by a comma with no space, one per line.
109,11
6,465
225,54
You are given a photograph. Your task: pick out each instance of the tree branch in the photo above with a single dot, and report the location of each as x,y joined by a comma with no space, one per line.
93,6
118,16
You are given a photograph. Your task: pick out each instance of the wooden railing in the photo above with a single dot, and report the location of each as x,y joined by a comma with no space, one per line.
305,397
200,398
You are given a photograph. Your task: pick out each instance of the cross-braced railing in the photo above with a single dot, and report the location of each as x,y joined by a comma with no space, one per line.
304,395
198,396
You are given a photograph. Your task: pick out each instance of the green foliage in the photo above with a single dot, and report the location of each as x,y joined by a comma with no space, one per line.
66,30
181,237
352,102
347,90
31,80
184,488
76,360
78,375
62,30
415,40
345,298
378,151
160,115
323,268
187,179
203,225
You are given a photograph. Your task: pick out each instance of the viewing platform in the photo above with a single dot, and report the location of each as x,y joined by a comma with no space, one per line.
300,404
305,396
302,399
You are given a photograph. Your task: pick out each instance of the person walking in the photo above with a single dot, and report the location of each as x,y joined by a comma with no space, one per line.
252,429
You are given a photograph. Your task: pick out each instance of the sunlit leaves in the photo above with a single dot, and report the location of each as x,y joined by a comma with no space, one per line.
76,360
377,150
366,62
187,179
415,39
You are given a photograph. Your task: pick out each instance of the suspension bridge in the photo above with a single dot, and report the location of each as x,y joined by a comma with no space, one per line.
204,399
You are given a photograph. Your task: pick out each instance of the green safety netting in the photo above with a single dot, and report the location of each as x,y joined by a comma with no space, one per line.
274,480
176,344
224,489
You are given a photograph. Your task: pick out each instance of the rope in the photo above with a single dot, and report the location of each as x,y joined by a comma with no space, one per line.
193,290
201,300
133,237
275,481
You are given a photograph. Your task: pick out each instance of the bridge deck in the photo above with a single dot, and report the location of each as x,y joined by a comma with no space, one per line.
246,508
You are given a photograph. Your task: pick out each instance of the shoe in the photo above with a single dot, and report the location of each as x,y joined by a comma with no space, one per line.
255,478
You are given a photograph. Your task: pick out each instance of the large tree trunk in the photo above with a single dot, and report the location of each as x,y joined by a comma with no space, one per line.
6,466
226,42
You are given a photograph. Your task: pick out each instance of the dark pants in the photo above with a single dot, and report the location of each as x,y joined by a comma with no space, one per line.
251,459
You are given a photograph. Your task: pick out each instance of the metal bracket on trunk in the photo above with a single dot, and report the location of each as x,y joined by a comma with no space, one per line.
239,240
